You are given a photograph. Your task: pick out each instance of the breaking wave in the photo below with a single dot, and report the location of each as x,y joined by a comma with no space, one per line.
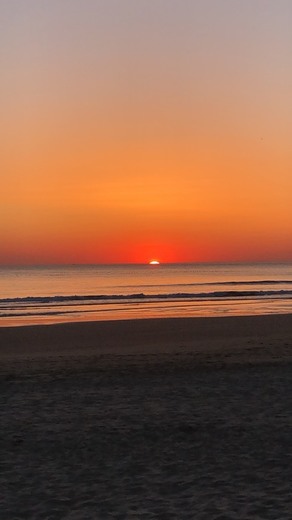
50,300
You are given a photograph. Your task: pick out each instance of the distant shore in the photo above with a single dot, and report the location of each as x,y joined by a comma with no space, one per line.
244,339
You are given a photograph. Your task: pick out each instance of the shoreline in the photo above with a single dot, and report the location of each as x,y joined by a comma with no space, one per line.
185,341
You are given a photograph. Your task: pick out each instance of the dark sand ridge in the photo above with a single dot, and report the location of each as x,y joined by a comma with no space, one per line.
149,335
236,339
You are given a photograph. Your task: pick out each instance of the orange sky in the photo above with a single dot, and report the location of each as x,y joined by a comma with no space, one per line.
139,130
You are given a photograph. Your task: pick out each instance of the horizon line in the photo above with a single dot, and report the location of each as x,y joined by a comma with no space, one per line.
161,263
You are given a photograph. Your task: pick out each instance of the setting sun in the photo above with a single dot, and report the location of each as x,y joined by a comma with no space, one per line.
154,262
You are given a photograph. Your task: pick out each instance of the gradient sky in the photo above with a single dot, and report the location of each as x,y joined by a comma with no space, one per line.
133,129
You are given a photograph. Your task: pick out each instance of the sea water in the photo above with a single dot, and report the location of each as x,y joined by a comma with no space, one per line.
50,294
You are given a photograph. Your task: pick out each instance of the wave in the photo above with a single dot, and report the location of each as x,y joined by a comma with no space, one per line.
87,299
208,284
27,314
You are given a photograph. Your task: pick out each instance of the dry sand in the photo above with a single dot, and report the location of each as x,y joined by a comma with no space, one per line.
166,419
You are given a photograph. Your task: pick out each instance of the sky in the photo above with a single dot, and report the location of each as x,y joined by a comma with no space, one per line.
141,129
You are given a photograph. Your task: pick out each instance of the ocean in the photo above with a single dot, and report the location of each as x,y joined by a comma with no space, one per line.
52,294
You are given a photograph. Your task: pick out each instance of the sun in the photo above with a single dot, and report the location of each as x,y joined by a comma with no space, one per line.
154,262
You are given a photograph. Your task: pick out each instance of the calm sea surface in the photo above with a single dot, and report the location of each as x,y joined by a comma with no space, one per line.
106,292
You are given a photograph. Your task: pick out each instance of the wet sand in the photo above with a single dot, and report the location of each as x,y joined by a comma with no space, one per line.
170,419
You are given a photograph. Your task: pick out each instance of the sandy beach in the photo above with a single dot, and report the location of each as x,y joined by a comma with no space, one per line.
159,418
